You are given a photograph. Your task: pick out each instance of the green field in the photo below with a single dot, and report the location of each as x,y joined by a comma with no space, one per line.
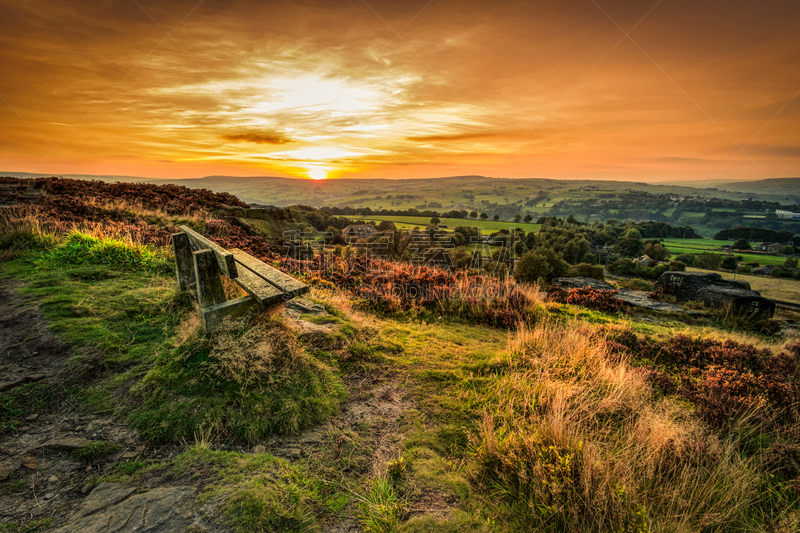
698,246
420,222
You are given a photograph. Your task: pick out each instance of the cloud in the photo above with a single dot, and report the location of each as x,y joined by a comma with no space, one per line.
451,137
259,138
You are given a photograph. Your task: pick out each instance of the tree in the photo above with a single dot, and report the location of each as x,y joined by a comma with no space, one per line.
435,220
484,216
742,244
386,225
708,261
474,214
787,250
517,217
539,263
730,263
630,247
496,218
657,251
791,262
527,219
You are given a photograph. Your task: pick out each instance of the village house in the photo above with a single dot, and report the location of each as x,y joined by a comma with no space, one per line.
358,231
769,247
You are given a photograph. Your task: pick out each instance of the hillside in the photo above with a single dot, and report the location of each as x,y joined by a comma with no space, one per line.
393,397
708,210
787,187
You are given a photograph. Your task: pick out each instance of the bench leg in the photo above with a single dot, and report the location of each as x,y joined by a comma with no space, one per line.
183,259
209,284
213,316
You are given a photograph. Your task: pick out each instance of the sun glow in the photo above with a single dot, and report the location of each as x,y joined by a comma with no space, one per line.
317,174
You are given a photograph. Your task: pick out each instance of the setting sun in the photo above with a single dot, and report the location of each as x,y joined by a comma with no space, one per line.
317,174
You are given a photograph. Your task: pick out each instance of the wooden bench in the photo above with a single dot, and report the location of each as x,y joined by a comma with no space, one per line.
200,263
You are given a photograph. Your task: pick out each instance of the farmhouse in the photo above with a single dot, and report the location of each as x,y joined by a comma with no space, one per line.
769,247
358,231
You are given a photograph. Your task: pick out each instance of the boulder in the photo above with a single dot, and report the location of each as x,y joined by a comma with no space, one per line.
715,292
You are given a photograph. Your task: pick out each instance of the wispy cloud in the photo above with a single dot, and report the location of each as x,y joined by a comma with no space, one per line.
258,138
241,82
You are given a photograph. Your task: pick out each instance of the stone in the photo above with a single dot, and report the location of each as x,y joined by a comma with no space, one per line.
31,418
86,488
582,283
48,496
305,306
6,471
103,495
67,444
715,292
30,463
129,456
259,449
308,330
52,479
162,510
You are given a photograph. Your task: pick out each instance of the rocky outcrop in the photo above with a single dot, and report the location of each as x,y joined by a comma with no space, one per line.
582,283
715,292
629,297
641,299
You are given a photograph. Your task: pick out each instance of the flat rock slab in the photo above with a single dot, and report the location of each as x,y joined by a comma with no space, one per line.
305,306
20,380
67,444
103,495
636,298
582,283
115,510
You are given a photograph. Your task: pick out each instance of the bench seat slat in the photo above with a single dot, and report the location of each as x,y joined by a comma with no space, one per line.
261,291
275,277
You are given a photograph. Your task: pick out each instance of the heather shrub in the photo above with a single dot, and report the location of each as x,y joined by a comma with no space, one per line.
573,439
597,299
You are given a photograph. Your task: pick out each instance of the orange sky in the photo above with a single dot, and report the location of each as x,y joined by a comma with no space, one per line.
402,89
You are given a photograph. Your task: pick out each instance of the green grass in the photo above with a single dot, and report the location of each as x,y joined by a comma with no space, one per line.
698,246
146,359
21,402
259,492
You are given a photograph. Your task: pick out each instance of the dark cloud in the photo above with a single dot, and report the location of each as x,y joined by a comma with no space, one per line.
259,138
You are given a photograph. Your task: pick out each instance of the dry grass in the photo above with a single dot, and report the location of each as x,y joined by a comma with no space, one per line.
576,441
246,355
21,221
137,209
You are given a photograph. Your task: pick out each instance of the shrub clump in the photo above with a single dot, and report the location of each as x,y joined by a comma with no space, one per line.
597,299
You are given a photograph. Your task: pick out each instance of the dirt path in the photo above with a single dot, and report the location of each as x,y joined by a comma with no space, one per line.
47,441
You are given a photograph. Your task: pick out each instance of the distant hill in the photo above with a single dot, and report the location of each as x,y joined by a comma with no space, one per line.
788,187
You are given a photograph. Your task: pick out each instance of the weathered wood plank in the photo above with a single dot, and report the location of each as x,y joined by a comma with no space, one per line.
209,285
224,258
184,261
213,316
260,290
273,276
